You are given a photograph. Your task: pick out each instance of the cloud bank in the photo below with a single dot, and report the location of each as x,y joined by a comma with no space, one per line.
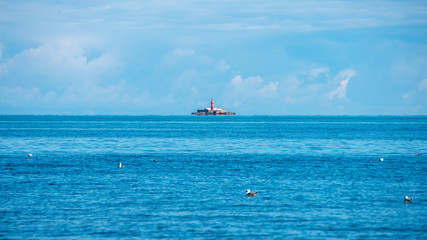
270,57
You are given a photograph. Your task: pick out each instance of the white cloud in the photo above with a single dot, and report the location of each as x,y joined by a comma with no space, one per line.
341,90
20,96
236,81
311,88
57,63
240,15
290,100
305,86
222,66
316,71
60,73
177,55
248,84
314,87
269,90
253,86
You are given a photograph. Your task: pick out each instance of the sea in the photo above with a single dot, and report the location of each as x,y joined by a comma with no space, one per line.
184,177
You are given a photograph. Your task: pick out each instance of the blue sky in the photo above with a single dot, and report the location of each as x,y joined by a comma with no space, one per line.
253,57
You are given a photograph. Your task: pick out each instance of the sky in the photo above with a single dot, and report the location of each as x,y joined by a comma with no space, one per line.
253,57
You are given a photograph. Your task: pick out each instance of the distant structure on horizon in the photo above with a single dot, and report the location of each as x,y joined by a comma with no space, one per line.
213,111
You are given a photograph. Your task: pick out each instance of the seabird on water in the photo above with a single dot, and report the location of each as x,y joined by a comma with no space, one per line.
30,155
155,160
250,194
381,159
407,199
121,165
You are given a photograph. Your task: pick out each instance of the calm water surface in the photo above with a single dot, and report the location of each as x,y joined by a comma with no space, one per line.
318,177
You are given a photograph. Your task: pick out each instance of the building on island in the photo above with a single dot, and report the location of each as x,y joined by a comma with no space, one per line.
213,111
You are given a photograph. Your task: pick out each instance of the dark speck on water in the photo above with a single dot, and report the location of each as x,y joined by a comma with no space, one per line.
318,176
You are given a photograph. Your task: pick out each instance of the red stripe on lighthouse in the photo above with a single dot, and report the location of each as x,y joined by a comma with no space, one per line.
212,104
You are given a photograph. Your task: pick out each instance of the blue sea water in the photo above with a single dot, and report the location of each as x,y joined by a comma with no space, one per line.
318,177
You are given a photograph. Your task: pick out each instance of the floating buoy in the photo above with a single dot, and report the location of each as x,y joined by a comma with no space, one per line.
419,154
30,155
381,159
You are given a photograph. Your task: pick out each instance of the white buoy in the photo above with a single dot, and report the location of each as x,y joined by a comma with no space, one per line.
381,159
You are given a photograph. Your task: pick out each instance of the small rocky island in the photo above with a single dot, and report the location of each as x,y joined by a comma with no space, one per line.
213,111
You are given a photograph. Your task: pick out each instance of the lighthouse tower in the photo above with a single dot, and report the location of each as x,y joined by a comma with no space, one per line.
212,104
212,111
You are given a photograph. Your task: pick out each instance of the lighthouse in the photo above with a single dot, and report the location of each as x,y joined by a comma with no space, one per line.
212,111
